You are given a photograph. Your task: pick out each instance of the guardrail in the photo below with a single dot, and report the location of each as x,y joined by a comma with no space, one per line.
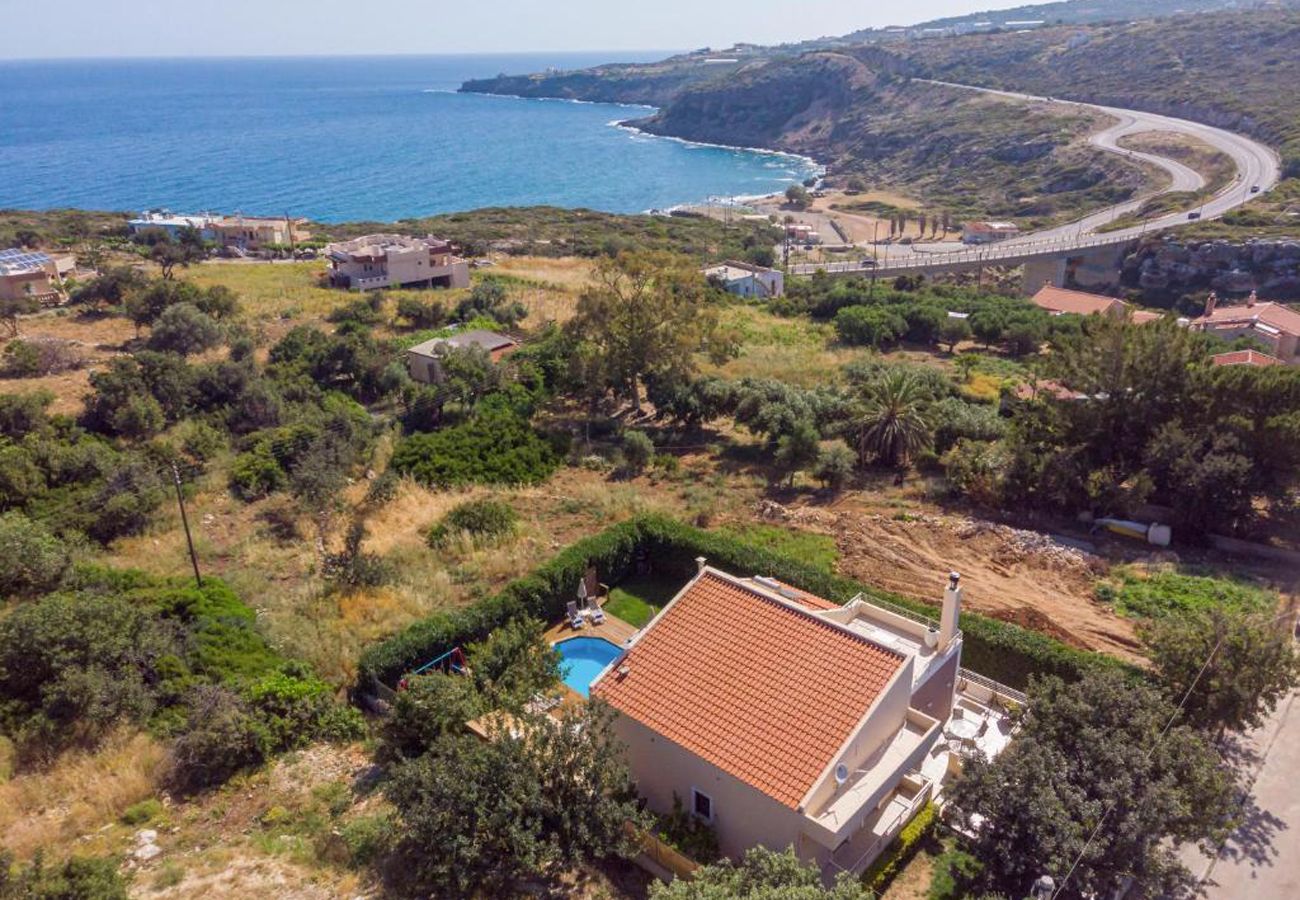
921,259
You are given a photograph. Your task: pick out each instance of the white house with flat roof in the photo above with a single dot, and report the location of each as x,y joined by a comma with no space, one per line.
379,261
747,280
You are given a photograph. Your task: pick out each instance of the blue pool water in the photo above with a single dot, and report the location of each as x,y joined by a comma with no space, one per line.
584,659
340,139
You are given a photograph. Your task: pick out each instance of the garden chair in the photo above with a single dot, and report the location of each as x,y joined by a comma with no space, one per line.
576,620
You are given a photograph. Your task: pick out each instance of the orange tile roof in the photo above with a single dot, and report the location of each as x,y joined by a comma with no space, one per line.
760,688
1283,318
1060,300
1245,358
1143,316
807,600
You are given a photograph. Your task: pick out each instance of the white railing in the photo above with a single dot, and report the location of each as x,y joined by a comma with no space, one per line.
998,689
922,259
891,831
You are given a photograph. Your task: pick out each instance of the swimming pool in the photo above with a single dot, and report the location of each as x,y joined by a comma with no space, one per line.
583,659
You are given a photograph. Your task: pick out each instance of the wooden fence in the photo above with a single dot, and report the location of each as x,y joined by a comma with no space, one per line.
663,859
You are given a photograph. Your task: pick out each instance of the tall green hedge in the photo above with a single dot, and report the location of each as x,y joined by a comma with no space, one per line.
998,650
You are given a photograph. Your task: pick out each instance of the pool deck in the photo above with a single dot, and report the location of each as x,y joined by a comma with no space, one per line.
615,630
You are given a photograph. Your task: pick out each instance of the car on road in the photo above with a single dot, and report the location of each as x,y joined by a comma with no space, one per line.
868,264
1254,189
1193,216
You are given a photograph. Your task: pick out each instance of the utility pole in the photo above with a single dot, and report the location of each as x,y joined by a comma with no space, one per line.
189,540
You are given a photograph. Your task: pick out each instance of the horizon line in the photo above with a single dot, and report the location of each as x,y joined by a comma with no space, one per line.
368,55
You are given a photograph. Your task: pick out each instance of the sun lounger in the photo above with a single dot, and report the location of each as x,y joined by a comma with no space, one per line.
597,614
576,620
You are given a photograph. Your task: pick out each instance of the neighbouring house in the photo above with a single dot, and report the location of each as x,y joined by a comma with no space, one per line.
237,232
1062,301
802,234
988,232
1274,326
747,280
422,360
40,276
1245,358
172,224
392,260
253,234
787,720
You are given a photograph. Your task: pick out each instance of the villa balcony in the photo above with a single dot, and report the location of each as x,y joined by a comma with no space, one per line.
881,827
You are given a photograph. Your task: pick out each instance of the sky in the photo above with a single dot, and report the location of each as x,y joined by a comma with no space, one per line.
128,28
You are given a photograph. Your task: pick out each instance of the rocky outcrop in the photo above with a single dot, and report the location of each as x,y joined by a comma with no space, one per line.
1170,268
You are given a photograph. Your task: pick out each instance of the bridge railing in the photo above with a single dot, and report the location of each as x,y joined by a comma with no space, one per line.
923,259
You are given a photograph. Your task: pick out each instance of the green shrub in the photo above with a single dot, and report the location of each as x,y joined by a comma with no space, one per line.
496,446
638,450
689,834
870,326
294,711
368,837
482,520
881,873
78,878
257,474
32,561
142,812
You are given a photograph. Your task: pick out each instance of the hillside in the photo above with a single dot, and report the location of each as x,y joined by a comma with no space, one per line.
853,107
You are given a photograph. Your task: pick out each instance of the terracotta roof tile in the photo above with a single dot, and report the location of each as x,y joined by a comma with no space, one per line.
1060,300
1283,318
760,688
1245,358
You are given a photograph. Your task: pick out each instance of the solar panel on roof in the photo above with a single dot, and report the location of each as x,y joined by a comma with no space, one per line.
19,258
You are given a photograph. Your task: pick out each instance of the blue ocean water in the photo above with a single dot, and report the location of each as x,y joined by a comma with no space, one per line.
339,139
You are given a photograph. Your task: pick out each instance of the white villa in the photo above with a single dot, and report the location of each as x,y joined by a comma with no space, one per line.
379,261
787,720
747,280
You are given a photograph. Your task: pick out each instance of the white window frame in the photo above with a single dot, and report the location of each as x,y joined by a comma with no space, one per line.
695,793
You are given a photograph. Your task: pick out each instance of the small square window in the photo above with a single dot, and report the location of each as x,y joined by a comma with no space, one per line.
702,805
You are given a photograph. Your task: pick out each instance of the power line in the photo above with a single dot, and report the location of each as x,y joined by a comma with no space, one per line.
1151,752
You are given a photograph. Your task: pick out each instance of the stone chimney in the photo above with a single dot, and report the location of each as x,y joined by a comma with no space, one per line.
700,562
1252,299
950,619
1211,302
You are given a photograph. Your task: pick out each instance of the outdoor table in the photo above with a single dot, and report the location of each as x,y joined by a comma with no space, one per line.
964,729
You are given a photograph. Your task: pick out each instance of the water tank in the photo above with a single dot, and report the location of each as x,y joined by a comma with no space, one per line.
1160,535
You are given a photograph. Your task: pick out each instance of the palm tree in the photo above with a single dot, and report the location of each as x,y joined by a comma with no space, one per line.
895,422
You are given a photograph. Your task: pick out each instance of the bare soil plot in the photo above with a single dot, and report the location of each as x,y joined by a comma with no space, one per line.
1017,576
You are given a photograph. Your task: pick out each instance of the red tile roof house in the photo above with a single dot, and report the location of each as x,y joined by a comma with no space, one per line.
1275,326
1062,301
1245,358
786,720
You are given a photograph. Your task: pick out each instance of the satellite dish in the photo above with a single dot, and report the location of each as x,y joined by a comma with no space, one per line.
841,773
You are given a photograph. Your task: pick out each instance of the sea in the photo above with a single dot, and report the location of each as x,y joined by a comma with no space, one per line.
343,139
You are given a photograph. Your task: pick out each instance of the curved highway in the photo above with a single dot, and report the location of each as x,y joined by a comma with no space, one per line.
1258,166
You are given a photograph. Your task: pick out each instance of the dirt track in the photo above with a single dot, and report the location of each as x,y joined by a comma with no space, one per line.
1016,576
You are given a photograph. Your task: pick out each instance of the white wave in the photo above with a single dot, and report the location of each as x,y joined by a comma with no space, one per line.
806,163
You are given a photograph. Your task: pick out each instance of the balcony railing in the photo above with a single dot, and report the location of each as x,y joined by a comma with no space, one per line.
998,689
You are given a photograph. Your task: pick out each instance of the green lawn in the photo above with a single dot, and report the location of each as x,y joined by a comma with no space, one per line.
636,600
817,550
1169,593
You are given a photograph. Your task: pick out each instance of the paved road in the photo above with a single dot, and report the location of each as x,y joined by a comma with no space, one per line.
1257,166
1262,859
